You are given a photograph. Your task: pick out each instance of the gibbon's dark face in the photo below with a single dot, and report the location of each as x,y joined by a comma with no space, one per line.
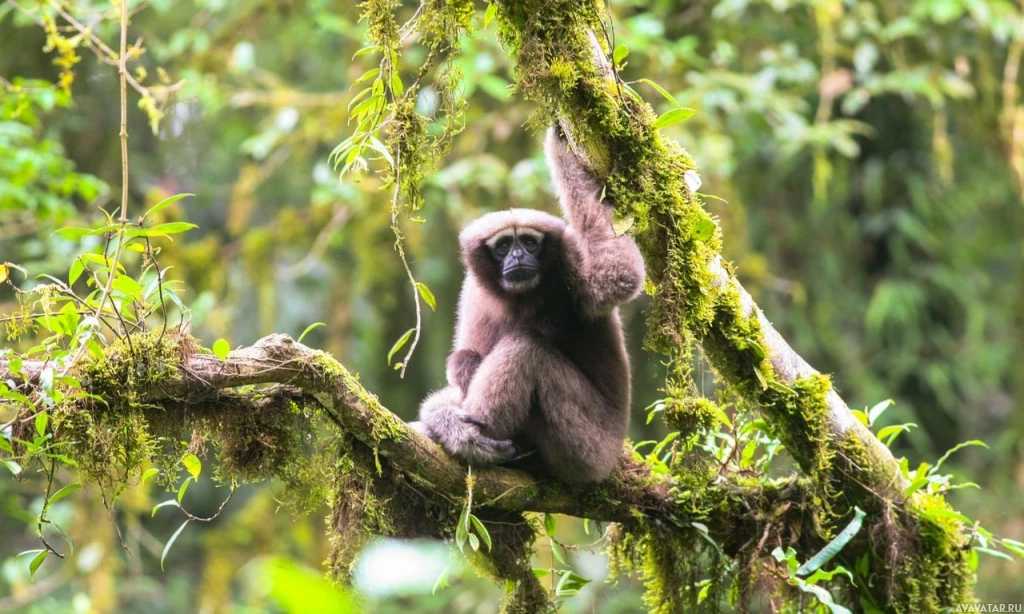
517,252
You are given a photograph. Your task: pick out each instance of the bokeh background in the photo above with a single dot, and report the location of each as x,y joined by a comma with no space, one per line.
867,159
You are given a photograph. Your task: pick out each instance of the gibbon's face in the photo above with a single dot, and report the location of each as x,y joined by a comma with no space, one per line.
517,252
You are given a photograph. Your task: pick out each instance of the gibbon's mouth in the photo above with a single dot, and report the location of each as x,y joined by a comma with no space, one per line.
520,274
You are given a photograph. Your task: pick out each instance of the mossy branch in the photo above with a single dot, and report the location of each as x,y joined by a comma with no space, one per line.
277,366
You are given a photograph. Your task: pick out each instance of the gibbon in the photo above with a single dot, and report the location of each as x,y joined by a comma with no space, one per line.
539,362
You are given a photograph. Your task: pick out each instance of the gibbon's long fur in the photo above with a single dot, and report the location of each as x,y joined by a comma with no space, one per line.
544,367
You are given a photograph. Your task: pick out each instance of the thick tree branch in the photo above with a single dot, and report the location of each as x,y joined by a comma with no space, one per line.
631,492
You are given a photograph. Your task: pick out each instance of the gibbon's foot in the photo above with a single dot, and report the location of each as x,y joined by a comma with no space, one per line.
468,442
461,435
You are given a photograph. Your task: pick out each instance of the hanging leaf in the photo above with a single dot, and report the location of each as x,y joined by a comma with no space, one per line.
33,567
398,344
481,530
833,547
167,547
183,488
193,465
427,295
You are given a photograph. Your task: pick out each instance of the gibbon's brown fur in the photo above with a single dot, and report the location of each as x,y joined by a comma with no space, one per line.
541,364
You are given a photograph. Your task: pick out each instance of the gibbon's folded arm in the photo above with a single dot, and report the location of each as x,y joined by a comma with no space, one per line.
609,270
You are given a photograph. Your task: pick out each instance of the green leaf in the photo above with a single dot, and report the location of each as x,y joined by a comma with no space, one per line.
995,553
427,295
183,488
933,513
12,466
620,53
76,270
169,228
147,474
915,486
364,51
442,580
73,234
63,492
481,530
309,328
193,465
833,547
398,344
673,116
556,549
570,584
64,535
703,230
42,419
166,503
890,433
221,348
662,91
875,412
490,14
549,525
167,547
163,204
621,223
474,542
957,448
33,567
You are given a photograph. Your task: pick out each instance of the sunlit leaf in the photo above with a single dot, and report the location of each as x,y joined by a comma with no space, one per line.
183,488
221,348
147,475
620,53
427,295
673,116
193,465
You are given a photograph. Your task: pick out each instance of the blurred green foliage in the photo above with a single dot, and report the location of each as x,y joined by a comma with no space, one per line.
866,157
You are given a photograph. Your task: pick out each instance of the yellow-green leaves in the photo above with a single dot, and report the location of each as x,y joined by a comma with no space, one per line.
192,464
221,348
427,295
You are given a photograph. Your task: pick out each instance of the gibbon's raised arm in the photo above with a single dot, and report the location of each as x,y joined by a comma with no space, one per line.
609,269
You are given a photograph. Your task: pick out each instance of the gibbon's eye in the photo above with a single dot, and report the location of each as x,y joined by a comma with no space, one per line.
502,247
530,243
